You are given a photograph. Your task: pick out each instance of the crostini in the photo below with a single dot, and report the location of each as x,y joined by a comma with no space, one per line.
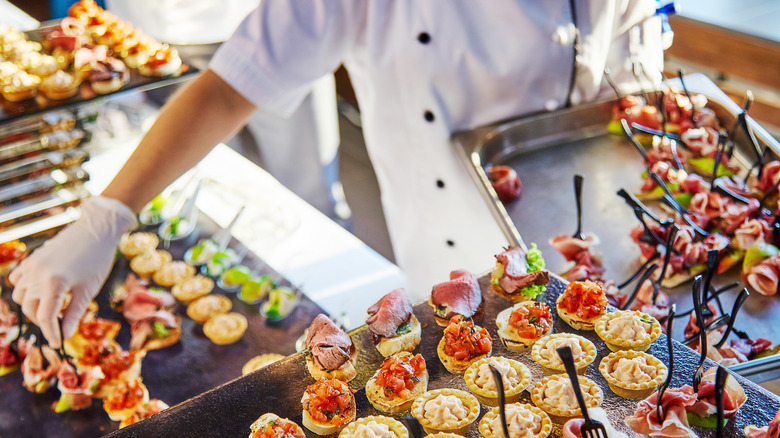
581,304
392,324
328,405
398,382
330,352
523,324
462,344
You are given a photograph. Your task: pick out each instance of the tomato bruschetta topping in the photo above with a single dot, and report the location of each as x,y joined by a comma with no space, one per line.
399,374
463,341
586,299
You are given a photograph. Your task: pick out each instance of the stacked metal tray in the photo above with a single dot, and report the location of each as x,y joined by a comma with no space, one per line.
547,150
174,374
229,410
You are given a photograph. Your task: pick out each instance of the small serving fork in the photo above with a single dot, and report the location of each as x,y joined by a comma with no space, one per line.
670,346
499,381
702,331
590,428
578,198
720,382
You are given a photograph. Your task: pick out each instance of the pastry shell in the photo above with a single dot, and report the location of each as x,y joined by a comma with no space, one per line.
484,423
135,244
443,435
225,328
150,262
460,427
260,361
456,366
173,273
550,367
632,390
192,289
590,390
203,309
490,397
395,426
394,405
616,343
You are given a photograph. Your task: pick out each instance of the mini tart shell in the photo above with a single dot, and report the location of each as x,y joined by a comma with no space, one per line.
135,244
326,428
150,262
456,366
203,309
461,427
394,405
168,275
484,423
192,289
221,337
632,390
551,368
515,342
490,397
395,426
443,435
616,343
260,361
590,390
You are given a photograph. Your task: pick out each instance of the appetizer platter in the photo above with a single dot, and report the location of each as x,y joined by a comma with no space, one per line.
84,57
279,390
546,150
178,363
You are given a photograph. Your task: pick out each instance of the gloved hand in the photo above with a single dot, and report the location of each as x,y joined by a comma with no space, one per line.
78,259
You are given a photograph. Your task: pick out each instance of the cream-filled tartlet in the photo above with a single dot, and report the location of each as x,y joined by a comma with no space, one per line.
173,273
479,379
545,353
375,426
632,374
555,395
628,330
446,410
135,244
193,288
522,420
150,262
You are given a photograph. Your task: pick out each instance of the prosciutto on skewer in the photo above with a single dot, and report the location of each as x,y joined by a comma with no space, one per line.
39,376
733,396
77,387
771,430
645,420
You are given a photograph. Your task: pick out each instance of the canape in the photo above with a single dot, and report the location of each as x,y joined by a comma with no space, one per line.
461,295
446,410
463,343
328,405
523,420
519,275
628,330
402,378
632,374
144,410
375,426
61,85
146,264
545,353
162,61
124,399
521,325
555,395
203,309
225,328
173,273
330,352
260,361
479,379
21,86
192,289
581,304
135,244
273,426
392,324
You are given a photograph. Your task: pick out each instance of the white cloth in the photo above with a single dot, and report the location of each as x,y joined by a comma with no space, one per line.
485,61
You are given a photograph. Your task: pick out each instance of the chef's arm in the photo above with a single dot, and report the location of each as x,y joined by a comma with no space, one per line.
196,119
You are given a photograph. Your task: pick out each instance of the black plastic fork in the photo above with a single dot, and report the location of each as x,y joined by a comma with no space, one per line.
702,332
590,428
720,382
670,346
578,199
499,381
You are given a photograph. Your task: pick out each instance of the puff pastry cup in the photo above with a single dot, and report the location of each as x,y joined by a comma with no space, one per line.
150,262
628,330
375,426
192,289
545,354
555,396
135,244
523,420
173,273
632,374
446,410
479,379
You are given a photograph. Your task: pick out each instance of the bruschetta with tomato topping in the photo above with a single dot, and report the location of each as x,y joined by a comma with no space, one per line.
398,382
463,343
523,324
273,426
328,405
582,303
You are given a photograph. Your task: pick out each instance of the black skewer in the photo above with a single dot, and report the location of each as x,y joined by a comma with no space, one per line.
714,295
638,271
66,357
719,148
671,202
499,381
715,324
14,346
673,149
578,199
414,426
589,428
720,382
39,345
688,95
612,83
743,295
712,264
630,136
667,256
670,347
702,332
645,276
661,183
637,204
636,127
662,108
738,122
770,192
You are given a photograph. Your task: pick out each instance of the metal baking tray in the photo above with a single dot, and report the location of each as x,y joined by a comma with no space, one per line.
547,150
173,374
40,165
10,111
229,410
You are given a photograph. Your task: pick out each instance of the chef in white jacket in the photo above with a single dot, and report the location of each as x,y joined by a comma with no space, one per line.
421,70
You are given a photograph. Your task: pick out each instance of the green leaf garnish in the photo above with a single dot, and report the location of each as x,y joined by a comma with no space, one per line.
404,328
160,329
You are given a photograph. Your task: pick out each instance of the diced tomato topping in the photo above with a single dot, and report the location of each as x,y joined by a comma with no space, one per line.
95,352
125,396
464,341
95,328
329,401
115,364
531,320
279,428
586,299
398,375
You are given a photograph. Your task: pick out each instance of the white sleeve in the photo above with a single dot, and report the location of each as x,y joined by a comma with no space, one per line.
283,46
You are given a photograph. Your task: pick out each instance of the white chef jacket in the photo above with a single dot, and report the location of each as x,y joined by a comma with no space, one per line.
422,70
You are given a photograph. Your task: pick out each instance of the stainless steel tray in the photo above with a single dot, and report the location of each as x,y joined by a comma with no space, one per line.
229,410
547,150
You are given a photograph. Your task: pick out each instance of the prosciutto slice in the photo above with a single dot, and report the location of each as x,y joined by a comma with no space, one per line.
516,275
769,177
702,141
76,388
329,345
587,267
694,184
571,429
506,183
142,303
8,328
459,296
645,420
750,234
764,277
10,357
709,204
749,347
389,313
570,246
771,430
733,396
143,329
36,377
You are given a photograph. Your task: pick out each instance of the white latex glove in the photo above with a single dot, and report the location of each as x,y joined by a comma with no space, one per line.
78,259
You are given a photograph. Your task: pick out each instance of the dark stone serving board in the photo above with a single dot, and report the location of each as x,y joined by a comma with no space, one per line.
173,374
229,410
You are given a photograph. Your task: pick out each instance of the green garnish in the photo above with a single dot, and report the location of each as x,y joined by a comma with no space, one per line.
404,328
710,422
442,310
532,319
535,263
173,229
160,329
